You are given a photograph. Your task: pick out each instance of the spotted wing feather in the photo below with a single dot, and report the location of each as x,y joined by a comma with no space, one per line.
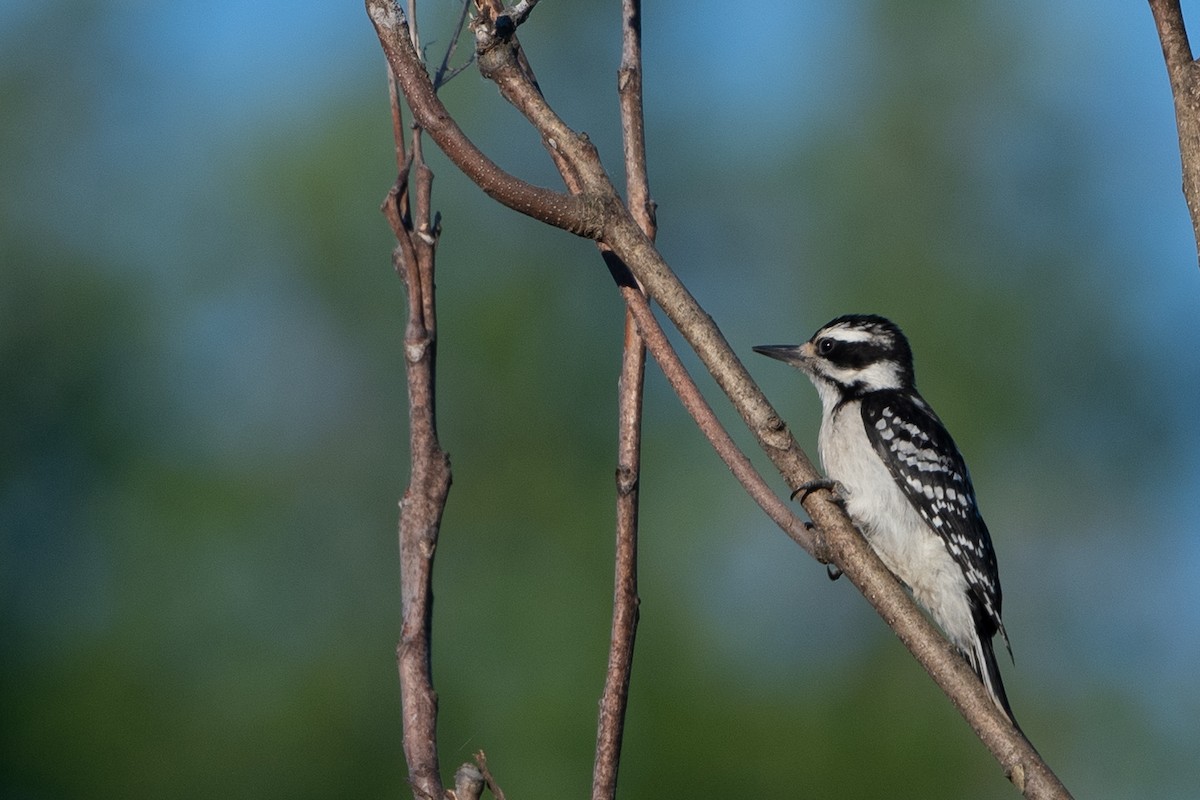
922,457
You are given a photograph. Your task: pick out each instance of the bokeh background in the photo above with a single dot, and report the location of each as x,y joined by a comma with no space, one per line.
203,423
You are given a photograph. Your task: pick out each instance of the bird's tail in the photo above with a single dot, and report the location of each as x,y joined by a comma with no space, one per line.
983,660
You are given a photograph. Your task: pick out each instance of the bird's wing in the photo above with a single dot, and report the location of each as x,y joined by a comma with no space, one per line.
925,462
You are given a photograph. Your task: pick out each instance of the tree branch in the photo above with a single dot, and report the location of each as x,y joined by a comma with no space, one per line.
603,217
429,483
706,420
610,725
614,699
1184,75
575,214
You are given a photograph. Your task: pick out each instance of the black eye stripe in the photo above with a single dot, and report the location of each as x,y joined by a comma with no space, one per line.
852,355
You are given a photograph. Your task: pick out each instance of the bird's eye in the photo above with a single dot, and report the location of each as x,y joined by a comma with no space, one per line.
825,346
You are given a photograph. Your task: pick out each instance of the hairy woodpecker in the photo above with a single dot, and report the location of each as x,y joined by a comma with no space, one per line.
904,482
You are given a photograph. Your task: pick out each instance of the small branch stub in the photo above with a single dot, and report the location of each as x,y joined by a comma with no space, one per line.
468,783
488,777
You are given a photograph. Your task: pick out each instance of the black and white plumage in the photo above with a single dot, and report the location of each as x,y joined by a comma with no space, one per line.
904,482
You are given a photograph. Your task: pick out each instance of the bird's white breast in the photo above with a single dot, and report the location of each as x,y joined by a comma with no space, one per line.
905,544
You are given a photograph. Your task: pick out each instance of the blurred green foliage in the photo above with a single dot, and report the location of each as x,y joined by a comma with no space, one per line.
202,412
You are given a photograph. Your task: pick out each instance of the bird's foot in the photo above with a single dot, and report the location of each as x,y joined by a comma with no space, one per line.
833,572
836,490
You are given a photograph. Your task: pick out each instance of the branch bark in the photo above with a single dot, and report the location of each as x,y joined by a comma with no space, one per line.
429,482
614,699
594,210
1184,75
575,214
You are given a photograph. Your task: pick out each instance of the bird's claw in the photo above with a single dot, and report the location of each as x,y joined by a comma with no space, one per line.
833,572
808,487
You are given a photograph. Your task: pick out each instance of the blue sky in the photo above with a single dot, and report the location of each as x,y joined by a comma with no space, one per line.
179,85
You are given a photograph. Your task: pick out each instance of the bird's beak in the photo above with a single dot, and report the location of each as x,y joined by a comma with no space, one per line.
794,354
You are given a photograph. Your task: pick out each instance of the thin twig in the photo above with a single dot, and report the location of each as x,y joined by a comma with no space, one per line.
614,700
414,31
610,725
444,73
633,128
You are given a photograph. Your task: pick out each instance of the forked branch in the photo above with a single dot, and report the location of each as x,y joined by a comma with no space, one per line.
593,209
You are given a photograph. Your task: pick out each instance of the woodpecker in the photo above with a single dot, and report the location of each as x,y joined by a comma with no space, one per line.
904,482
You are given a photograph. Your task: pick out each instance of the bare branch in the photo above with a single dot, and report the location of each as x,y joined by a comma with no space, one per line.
614,700
693,401
579,215
420,520
633,128
596,212
1184,75
1168,19
444,72
429,483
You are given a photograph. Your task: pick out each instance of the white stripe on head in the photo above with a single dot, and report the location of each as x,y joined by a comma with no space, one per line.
844,332
880,375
